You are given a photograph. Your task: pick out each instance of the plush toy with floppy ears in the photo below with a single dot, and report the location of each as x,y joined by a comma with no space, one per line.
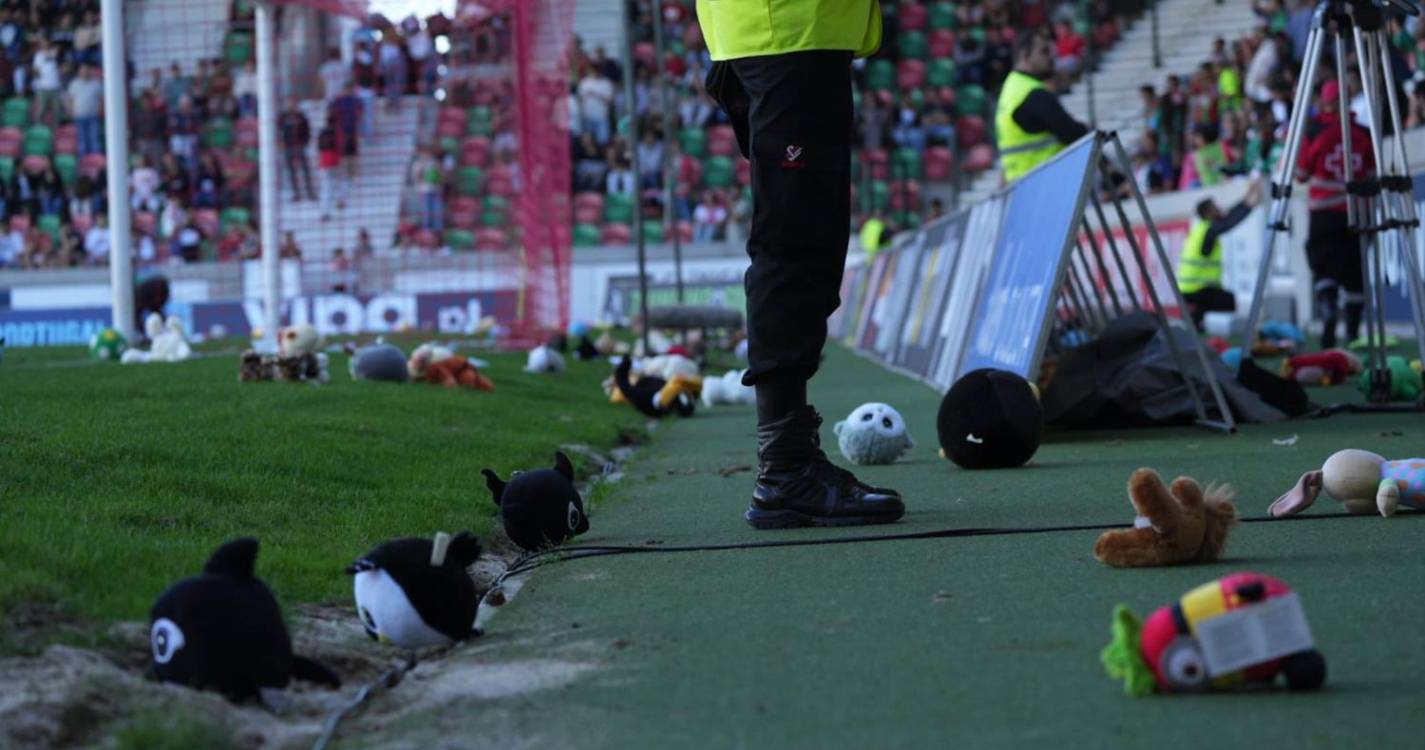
1331,367
1361,481
435,365
223,631
416,593
655,396
1175,525
539,508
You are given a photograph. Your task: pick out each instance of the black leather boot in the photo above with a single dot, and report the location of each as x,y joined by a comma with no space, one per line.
798,486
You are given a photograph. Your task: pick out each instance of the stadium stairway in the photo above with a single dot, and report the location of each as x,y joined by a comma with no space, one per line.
1186,29
598,24
149,29
374,200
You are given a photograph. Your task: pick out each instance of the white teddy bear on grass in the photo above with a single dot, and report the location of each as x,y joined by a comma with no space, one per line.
167,343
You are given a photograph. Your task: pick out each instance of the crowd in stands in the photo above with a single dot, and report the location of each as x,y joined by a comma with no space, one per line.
1229,117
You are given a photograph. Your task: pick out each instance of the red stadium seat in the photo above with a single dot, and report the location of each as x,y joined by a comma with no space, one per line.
722,141
616,234
939,161
742,169
242,173
685,231
474,151
905,195
501,181
877,163
207,221
913,16
92,165
590,199
10,141
20,222
587,215
644,53
979,158
690,172
66,140
464,212
970,131
146,223
246,130
452,114
910,74
491,239
942,43
34,163
427,239
82,222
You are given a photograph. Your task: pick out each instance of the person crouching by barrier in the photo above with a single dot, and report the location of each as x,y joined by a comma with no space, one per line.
1200,266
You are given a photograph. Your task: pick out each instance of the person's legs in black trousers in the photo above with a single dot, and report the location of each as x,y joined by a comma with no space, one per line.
793,118
1209,299
1334,254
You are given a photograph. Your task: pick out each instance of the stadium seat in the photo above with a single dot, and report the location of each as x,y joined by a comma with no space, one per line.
20,222
722,140
501,180
912,45
906,219
49,224
913,17
145,223
880,195
67,166
218,133
905,195
469,180
690,172
586,235
942,44
10,140
237,49
475,151
970,131
92,164
66,140
743,171
910,74
694,142
939,163
588,214
491,219
207,221
426,238
907,164
241,173
618,208
39,141
615,234
880,75
970,100
81,222
684,230
941,73
653,232
496,204
942,16
451,123
247,132
979,158
877,162
491,239
590,199
463,211
7,168
480,120
16,113
645,54
460,239
717,172
235,215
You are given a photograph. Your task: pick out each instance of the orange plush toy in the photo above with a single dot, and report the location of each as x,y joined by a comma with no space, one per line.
429,364
1176,525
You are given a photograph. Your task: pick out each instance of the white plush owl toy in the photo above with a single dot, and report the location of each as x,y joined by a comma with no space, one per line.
874,433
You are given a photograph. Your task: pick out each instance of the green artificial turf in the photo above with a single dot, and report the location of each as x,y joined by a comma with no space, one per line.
967,642
119,480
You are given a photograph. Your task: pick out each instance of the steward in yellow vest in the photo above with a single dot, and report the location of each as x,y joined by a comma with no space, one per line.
1030,123
1200,265
782,72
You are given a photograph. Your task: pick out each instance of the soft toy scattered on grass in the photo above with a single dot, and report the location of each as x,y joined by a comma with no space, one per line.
1175,525
379,361
1361,481
543,359
223,630
727,389
166,342
874,433
450,372
1243,629
1405,381
655,396
107,345
586,351
990,419
417,593
1331,367
539,508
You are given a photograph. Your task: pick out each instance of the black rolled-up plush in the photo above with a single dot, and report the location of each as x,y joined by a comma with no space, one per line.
990,419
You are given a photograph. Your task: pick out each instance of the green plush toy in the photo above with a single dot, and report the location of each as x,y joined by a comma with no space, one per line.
1405,381
108,345
1122,658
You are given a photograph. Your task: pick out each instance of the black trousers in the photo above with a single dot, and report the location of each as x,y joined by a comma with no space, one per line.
1209,299
793,117
1334,253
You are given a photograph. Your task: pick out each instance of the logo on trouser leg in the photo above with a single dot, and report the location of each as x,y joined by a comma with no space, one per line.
794,153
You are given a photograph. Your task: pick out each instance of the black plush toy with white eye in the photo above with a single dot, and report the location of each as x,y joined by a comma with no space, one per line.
540,508
223,631
417,593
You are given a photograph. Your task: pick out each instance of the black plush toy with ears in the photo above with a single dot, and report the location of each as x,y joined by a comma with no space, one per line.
539,508
416,593
223,631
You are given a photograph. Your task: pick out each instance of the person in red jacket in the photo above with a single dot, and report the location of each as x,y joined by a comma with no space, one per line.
1332,248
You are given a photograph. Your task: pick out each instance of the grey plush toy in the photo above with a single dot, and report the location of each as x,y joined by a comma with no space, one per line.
379,361
873,434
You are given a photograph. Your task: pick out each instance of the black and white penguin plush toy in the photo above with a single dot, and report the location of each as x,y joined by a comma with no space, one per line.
540,508
655,396
417,593
223,631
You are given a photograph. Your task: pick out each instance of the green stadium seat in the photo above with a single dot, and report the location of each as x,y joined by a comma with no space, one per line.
971,100
7,167
67,165
235,216
469,181
618,208
907,164
460,239
49,224
494,219
586,235
16,113
917,99
480,120
940,73
694,142
218,133
906,219
880,195
652,232
449,145
237,49
718,172
496,203
913,45
881,75
942,16
39,141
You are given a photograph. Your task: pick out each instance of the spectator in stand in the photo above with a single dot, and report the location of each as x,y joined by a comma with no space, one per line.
428,179
365,77
422,53
999,59
46,83
49,192
173,217
596,97
650,160
908,132
177,184
1148,108
620,177
332,177
334,74
364,249
176,86
1203,165
937,209
143,187
1069,49
341,280
96,242
708,218
183,131
245,89
590,168
938,120
694,109
12,40
70,252
86,40
392,55
605,66
86,97
209,182
148,122
1258,80
296,133
347,108
187,242
970,61
1172,119
289,248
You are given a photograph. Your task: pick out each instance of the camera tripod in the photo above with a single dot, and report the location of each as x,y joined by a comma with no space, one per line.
1380,207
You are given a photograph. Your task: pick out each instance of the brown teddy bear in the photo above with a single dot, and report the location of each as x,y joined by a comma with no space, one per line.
1176,525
